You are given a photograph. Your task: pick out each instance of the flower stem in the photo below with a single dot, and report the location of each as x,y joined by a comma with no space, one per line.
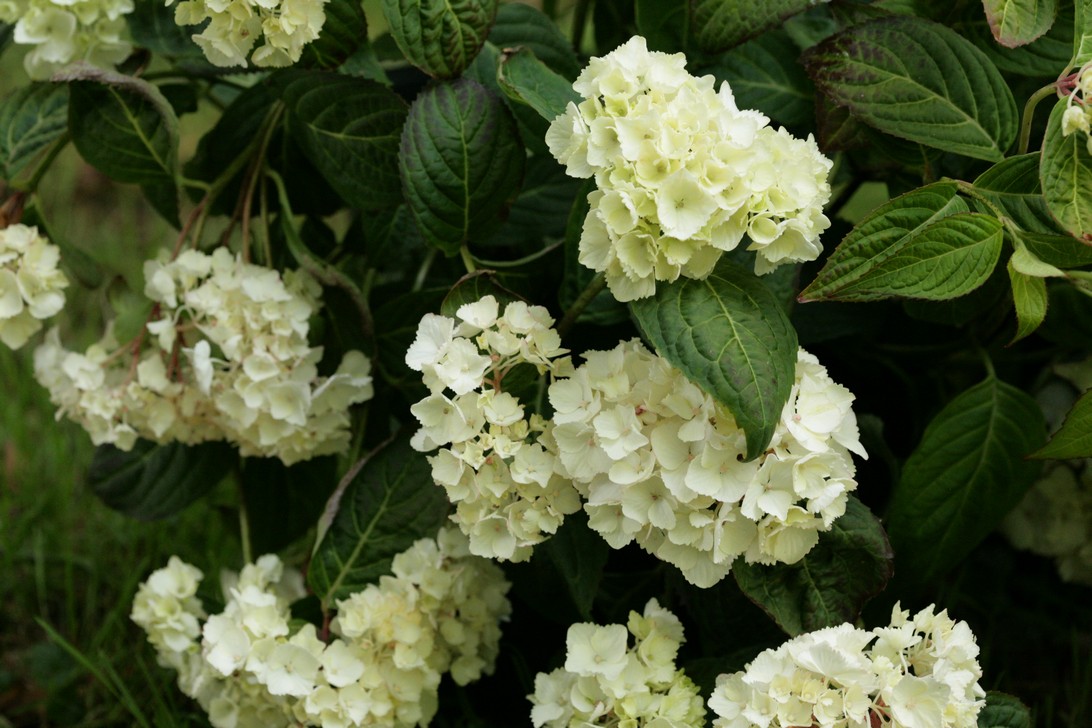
1029,115
468,259
589,293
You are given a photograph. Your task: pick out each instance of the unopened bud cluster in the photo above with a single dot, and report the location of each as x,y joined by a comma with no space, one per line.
31,285
683,175
225,357
66,31
233,28
920,671
606,682
249,666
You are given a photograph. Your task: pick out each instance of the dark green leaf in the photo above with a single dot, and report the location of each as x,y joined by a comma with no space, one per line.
1066,176
1018,22
377,513
1029,297
921,81
1003,711
1042,57
579,555
236,128
1074,438
163,197
344,33
5,34
152,26
850,564
1013,185
721,24
31,118
731,336
665,24
441,37
920,245
1061,251
461,162
967,472
524,78
473,287
155,481
349,128
282,502
539,214
522,25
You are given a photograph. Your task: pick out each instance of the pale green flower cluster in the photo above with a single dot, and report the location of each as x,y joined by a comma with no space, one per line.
1077,116
31,286
659,461
607,683
226,358
503,482
249,667
66,31
234,26
683,175
1055,519
914,673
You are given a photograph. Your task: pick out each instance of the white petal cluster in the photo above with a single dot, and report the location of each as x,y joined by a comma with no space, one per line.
31,286
683,174
226,358
606,682
234,26
660,462
248,666
1055,519
1077,116
502,480
915,673
66,31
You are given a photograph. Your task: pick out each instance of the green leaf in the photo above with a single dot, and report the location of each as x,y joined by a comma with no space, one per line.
1013,185
1029,297
350,129
1061,251
377,512
851,563
344,33
282,502
721,24
152,26
1066,175
764,75
522,25
665,24
155,481
538,216
82,266
579,555
473,287
31,118
1082,33
920,245
441,37
921,81
526,79
122,126
461,161
1003,711
967,472
1074,438
731,336
1019,22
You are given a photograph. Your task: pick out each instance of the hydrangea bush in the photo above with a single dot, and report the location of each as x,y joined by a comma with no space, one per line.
624,363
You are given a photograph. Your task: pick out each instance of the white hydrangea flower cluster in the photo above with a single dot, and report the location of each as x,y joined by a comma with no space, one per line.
234,27
440,612
1077,116
1055,519
605,682
66,31
683,174
227,359
913,673
659,461
31,286
502,480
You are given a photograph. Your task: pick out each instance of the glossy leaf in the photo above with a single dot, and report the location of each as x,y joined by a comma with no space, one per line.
441,37
967,472
31,118
851,563
921,81
1066,175
1019,22
730,335
461,161
721,24
526,79
1029,297
1074,438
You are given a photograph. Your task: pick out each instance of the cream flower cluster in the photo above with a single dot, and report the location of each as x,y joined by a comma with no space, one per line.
31,286
66,31
683,174
227,359
912,673
606,682
1077,116
660,462
1055,519
392,642
501,479
234,26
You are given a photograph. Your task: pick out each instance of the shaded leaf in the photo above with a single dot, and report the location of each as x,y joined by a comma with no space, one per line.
1019,22
152,26
1003,711
1065,173
282,502
524,78
721,24
344,33
31,118
473,287
1013,185
665,24
441,37
522,25
579,555
1074,438
1058,250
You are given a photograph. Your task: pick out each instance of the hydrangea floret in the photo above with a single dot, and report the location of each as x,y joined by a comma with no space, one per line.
225,357
249,666
491,463
607,682
233,28
66,31
683,174
660,462
1077,116
915,672
31,285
